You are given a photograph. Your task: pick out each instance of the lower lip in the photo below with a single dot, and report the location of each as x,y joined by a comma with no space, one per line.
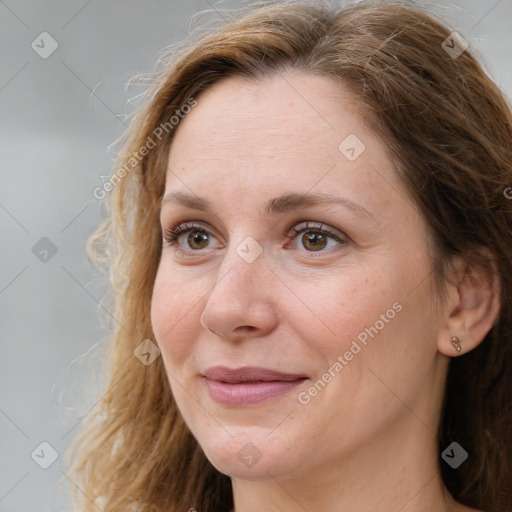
237,395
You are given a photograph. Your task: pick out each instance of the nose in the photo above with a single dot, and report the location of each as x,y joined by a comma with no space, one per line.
243,302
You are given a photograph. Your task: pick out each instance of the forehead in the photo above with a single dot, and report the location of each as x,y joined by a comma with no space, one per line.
280,113
282,132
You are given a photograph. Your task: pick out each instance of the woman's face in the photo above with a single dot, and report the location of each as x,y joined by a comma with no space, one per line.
311,261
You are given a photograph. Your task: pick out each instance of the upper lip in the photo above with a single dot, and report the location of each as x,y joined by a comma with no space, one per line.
248,374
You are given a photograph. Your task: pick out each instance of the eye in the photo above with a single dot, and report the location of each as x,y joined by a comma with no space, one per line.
198,237
316,238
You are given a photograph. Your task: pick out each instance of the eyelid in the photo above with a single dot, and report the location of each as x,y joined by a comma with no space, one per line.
318,226
185,227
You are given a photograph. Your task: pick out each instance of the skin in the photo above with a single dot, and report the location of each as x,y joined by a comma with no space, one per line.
367,440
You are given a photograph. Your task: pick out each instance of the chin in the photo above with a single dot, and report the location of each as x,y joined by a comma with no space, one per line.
249,457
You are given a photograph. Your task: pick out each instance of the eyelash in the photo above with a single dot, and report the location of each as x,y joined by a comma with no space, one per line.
171,235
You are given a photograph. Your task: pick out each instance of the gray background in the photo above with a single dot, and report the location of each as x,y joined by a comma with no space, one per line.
59,115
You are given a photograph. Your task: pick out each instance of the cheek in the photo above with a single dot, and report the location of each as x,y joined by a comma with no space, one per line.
370,323
175,316
344,306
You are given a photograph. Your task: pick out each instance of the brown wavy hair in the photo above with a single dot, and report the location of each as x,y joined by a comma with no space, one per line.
448,130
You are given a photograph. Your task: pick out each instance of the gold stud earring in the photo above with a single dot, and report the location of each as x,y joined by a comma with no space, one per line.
456,343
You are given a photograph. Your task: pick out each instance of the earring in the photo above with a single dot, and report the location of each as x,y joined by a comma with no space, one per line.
456,343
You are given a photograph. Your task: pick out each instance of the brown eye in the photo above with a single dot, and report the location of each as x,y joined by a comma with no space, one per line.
188,237
314,241
316,238
197,239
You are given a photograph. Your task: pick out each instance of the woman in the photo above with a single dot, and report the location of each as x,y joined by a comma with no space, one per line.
309,244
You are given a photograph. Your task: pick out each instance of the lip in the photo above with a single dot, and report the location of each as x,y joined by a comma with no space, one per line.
248,385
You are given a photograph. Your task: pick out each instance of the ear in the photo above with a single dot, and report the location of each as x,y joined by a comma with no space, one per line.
472,305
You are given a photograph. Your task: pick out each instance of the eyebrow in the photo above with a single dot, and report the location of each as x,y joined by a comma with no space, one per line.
278,205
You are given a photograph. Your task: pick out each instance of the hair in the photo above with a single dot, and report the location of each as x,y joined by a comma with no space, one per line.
448,131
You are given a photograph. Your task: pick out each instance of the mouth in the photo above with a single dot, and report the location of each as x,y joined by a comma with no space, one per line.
248,385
